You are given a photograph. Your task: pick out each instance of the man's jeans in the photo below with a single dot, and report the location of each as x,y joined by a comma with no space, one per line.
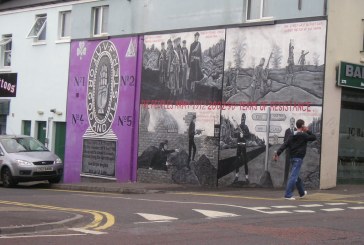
294,179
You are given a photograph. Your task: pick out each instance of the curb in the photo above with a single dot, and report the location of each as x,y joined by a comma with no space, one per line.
67,223
121,190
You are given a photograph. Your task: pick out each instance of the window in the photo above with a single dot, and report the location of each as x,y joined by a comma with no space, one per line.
258,9
65,24
38,30
5,48
100,20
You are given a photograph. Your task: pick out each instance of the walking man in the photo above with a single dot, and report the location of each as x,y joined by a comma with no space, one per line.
297,144
191,139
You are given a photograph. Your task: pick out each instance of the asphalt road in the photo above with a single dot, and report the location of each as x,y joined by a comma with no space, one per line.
244,217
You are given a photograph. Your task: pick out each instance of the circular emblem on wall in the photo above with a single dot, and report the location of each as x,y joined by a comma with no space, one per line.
103,87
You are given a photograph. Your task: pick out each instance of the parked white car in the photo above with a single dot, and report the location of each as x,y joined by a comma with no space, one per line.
23,158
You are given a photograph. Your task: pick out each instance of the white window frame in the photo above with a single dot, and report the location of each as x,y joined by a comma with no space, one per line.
62,16
37,35
6,39
261,16
97,27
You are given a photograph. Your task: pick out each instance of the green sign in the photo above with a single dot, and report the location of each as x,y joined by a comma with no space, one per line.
351,75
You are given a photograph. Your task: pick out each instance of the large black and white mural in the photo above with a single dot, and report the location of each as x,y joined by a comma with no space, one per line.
183,66
276,63
216,104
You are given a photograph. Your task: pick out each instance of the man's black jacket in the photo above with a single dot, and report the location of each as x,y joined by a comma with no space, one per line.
297,144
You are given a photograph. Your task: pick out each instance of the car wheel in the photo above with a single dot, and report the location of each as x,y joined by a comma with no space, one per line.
55,180
7,178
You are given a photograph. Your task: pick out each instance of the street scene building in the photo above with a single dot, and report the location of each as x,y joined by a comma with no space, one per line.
194,92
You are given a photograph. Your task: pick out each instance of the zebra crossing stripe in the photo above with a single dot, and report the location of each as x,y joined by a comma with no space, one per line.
288,206
277,212
356,208
311,205
304,211
336,203
332,209
260,208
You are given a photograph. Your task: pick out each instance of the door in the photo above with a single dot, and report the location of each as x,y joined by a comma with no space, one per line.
42,131
60,139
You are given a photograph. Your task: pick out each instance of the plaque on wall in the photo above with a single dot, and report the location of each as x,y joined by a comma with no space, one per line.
98,157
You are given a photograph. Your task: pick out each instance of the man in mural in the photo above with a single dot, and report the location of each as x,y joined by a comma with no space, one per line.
191,139
159,159
184,62
289,131
243,135
290,60
174,68
260,80
297,143
302,59
180,58
195,62
162,65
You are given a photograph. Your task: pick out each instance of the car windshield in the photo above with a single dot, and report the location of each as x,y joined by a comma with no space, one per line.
26,144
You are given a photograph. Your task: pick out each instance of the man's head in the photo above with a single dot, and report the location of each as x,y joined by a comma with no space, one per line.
262,61
184,43
243,118
162,45
291,122
194,118
197,35
300,123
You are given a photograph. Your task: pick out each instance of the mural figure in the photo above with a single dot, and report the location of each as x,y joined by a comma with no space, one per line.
297,143
159,159
261,84
184,66
290,61
195,61
174,68
102,91
243,135
162,65
302,59
191,139
289,131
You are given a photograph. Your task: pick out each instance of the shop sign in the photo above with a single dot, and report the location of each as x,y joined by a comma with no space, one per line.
351,75
8,84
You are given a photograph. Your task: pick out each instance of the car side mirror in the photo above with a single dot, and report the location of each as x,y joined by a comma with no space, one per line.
1,153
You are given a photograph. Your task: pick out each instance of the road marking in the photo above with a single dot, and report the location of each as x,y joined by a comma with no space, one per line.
260,208
288,206
37,236
336,203
356,208
87,231
277,212
332,209
156,217
215,214
304,211
98,216
311,205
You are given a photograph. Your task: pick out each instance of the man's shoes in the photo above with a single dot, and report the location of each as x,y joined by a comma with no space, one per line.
236,179
304,195
290,198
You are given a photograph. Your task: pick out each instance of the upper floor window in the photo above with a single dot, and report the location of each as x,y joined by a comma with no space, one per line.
5,48
258,9
100,17
38,31
65,24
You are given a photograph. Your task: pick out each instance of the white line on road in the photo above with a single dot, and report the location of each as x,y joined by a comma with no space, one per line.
278,212
336,203
311,205
304,211
260,208
332,209
215,214
288,206
156,217
36,236
356,208
87,231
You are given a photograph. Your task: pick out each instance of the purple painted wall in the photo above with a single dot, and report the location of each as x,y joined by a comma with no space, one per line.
124,121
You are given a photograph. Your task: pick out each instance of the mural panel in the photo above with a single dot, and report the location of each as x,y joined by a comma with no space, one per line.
183,66
277,63
101,109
